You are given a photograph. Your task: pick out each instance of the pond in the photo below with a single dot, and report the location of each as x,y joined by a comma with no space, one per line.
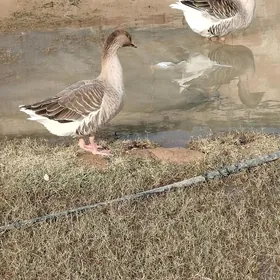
178,85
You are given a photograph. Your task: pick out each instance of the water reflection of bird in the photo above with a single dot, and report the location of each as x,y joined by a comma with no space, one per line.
204,74
216,18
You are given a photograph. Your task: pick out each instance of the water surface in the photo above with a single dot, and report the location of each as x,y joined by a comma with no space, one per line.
207,87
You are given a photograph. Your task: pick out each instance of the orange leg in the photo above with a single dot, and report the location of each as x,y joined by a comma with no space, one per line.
92,147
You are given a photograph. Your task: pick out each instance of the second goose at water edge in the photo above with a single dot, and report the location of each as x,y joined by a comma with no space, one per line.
85,106
216,18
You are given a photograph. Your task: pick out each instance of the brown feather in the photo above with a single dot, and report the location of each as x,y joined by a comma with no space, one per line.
221,9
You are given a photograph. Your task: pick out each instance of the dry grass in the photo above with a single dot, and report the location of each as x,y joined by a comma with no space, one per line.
227,229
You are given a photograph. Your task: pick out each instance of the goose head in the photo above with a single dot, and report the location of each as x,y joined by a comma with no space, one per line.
118,39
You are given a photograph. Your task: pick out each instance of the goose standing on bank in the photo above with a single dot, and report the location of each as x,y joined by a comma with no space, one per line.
80,109
216,18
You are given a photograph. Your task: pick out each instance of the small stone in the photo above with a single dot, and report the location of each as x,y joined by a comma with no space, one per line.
46,177
48,5
74,2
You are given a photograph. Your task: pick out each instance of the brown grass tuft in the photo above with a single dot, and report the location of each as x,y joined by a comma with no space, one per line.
226,229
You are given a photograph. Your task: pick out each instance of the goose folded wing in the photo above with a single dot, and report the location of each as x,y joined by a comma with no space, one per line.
220,9
74,86
75,104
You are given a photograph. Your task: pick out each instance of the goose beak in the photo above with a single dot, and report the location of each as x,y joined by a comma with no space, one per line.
133,45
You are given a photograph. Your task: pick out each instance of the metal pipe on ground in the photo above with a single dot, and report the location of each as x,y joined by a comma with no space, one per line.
220,173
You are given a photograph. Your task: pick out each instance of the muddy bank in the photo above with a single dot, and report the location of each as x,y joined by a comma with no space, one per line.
21,15
38,14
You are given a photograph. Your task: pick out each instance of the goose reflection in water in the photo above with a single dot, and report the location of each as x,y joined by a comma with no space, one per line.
203,75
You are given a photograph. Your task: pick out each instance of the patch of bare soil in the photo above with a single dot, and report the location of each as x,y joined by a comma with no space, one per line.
96,161
42,14
169,155
232,144
7,56
144,150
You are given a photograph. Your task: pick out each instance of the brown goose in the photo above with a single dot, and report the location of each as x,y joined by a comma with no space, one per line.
80,109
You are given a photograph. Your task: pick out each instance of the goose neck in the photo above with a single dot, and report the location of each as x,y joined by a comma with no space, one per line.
111,70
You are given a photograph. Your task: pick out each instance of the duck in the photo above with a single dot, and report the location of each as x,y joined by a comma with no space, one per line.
214,19
82,108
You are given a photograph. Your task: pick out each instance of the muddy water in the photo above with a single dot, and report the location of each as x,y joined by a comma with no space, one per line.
177,84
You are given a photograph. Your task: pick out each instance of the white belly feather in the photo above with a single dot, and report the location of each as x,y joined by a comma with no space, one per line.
54,127
198,21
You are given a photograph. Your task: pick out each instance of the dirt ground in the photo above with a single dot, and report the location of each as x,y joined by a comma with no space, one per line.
43,14
29,14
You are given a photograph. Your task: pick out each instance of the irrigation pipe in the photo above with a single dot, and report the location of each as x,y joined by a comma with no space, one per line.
224,172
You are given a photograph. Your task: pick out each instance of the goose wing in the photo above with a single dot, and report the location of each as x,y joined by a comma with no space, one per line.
74,103
220,9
